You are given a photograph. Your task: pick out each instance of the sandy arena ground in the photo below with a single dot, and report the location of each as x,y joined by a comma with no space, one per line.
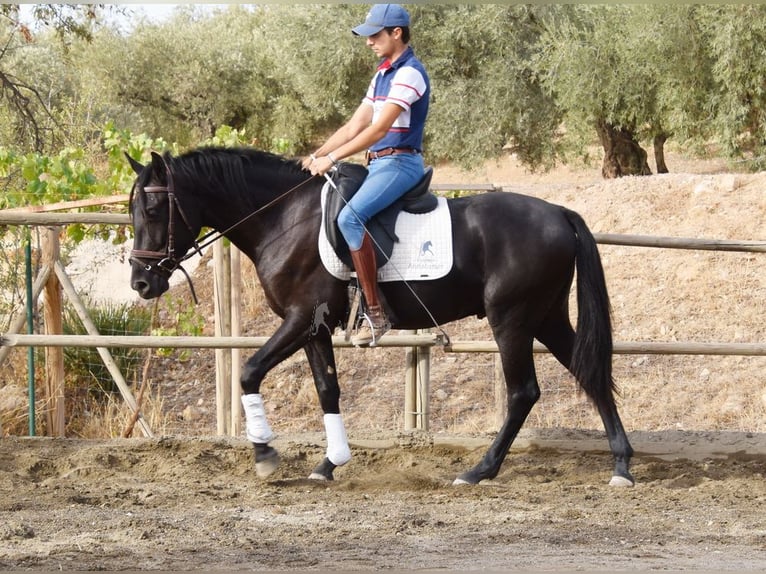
172,504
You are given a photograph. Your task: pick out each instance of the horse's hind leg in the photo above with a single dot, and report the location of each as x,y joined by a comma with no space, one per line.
558,336
523,393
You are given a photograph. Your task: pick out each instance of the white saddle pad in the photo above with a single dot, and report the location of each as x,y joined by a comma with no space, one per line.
423,252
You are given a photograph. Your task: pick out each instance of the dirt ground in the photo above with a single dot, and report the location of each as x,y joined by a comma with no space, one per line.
196,504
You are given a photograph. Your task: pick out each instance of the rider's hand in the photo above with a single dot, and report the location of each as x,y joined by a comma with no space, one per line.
306,163
320,165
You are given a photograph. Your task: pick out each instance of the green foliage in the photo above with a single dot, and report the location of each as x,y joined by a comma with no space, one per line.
320,69
83,365
186,79
485,96
590,64
39,94
226,136
735,36
35,178
642,68
48,179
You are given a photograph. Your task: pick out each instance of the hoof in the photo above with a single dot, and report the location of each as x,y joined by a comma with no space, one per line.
266,460
622,482
466,478
323,471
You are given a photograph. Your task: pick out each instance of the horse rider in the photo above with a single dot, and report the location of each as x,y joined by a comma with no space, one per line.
389,124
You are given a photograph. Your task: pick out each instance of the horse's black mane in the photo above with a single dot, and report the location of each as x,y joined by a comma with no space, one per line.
234,167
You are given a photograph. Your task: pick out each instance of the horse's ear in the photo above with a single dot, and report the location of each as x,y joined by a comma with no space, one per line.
159,167
158,164
137,167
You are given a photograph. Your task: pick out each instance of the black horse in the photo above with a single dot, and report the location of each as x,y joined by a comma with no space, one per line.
514,263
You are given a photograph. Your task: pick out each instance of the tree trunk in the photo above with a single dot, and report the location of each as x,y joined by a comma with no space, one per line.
622,154
659,153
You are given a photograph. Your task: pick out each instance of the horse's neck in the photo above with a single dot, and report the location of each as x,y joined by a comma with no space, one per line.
263,220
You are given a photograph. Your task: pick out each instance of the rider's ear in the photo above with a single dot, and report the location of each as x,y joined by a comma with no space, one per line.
137,167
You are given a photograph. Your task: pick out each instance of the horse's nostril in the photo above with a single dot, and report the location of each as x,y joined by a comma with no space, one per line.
140,286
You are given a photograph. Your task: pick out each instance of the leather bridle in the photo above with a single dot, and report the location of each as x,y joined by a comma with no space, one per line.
164,263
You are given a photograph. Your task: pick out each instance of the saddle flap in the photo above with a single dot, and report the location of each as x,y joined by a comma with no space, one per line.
348,177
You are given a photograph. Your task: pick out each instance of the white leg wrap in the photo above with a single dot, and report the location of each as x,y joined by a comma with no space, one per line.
337,443
258,429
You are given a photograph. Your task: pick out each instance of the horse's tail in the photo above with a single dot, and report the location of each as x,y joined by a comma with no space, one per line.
592,354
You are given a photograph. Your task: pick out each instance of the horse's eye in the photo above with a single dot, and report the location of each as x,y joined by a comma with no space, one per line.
154,204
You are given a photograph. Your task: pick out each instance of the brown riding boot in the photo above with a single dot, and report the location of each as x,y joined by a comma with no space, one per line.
375,322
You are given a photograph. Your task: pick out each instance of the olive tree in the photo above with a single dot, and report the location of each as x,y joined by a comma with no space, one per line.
591,65
186,77
32,80
320,69
485,97
735,37
630,73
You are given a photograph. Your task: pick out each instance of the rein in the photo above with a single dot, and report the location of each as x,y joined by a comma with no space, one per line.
164,263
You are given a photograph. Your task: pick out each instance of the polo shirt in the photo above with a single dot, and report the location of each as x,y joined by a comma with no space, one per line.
406,84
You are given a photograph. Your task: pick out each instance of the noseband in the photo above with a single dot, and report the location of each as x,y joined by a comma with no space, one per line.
164,263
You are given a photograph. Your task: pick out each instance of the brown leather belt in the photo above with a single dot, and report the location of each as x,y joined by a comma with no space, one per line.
372,155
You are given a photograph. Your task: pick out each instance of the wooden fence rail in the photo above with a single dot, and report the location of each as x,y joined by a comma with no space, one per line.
390,340
25,218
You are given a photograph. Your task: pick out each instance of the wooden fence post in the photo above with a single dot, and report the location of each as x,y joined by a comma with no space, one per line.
54,325
423,386
222,294
236,330
103,352
416,387
410,385
501,392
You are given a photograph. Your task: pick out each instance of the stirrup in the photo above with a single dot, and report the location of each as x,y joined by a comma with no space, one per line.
369,332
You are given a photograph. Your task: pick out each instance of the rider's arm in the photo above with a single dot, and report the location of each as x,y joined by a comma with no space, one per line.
361,140
348,131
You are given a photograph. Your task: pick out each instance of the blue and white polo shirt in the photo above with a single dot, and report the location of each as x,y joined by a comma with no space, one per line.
406,84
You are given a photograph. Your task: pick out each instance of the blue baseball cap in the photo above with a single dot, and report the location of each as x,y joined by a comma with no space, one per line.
383,16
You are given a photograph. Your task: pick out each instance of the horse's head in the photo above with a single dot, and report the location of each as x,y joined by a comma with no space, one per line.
162,231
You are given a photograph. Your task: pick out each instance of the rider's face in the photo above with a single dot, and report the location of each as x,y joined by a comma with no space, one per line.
384,43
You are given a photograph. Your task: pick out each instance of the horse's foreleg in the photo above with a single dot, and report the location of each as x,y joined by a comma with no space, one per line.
260,434
285,341
322,361
523,393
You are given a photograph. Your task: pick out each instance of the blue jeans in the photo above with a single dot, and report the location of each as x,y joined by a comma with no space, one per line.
388,179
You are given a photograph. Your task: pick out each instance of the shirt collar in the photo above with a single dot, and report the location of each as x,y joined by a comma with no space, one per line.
386,64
